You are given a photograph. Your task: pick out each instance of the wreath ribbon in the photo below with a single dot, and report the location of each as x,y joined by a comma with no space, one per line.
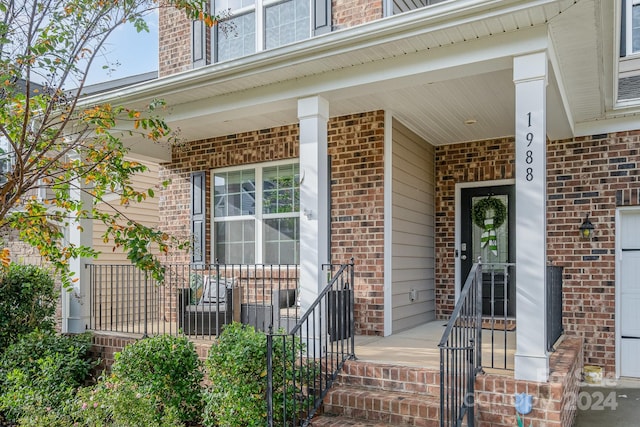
489,225
489,236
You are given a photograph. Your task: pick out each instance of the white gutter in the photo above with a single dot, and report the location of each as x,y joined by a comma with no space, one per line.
420,21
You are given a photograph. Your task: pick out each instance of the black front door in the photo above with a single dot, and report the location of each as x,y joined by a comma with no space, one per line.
487,231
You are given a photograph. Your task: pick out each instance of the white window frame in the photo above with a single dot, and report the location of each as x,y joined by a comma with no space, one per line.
259,217
629,27
258,7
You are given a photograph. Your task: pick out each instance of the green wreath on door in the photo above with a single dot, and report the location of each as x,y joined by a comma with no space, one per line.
489,224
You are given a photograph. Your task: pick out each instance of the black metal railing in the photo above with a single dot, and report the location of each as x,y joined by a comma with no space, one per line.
498,314
197,300
323,339
125,299
554,305
461,354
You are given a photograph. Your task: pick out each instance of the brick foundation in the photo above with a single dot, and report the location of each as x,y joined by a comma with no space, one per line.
554,402
105,346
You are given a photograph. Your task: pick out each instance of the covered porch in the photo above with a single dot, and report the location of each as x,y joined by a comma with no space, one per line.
198,301
472,97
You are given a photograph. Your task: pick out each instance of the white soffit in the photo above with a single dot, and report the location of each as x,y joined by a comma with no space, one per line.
369,67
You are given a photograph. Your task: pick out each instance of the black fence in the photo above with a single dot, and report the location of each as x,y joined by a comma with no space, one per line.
323,340
196,300
554,305
461,354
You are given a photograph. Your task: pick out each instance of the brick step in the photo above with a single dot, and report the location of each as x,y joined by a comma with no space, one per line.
336,421
389,377
371,405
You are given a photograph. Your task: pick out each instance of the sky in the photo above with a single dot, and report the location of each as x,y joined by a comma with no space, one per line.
135,52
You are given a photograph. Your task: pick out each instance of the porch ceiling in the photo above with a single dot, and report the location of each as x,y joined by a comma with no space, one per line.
433,68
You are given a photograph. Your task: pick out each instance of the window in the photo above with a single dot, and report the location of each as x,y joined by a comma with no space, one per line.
256,214
256,25
630,39
7,159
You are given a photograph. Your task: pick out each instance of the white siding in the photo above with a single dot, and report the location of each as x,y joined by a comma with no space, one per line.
413,254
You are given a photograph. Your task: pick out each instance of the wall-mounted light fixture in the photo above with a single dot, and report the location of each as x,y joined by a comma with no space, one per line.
586,229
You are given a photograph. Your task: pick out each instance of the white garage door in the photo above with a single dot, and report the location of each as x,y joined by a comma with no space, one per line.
629,294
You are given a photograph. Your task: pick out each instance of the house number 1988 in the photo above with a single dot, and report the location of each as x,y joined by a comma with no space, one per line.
529,153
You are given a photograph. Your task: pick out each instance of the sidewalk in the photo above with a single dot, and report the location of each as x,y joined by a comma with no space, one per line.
611,405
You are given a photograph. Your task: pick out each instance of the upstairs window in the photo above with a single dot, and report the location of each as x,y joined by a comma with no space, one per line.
256,214
7,159
630,37
257,25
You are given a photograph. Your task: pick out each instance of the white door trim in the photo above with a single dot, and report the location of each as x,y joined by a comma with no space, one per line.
618,283
458,220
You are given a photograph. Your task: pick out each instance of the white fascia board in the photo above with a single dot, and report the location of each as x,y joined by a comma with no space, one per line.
457,61
622,123
556,70
402,26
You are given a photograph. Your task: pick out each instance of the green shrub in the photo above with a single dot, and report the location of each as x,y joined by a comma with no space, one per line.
40,373
164,369
28,300
236,365
120,403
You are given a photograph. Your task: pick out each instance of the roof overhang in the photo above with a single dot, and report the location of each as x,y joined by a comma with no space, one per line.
434,68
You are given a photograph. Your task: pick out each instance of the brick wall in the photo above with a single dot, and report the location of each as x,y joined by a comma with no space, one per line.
590,175
356,145
584,175
175,31
349,13
174,42
459,163
232,150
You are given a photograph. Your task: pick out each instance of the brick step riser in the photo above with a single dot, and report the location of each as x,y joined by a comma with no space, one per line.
369,394
394,409
390,377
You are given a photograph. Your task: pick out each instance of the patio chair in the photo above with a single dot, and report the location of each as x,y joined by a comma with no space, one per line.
218,305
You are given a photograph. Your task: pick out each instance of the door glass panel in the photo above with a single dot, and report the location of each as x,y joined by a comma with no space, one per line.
492,244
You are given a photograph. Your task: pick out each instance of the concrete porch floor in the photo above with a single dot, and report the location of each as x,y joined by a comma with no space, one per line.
419,347
413,347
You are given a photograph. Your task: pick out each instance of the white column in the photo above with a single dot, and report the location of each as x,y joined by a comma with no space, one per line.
75,302
530,78
313,113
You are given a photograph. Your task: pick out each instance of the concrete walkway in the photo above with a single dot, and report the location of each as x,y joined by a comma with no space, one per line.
613,404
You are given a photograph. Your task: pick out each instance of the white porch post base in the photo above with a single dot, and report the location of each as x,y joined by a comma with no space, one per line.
530,78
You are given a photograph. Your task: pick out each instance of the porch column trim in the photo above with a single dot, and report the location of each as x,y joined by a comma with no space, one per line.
75,303
530,78
313,114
